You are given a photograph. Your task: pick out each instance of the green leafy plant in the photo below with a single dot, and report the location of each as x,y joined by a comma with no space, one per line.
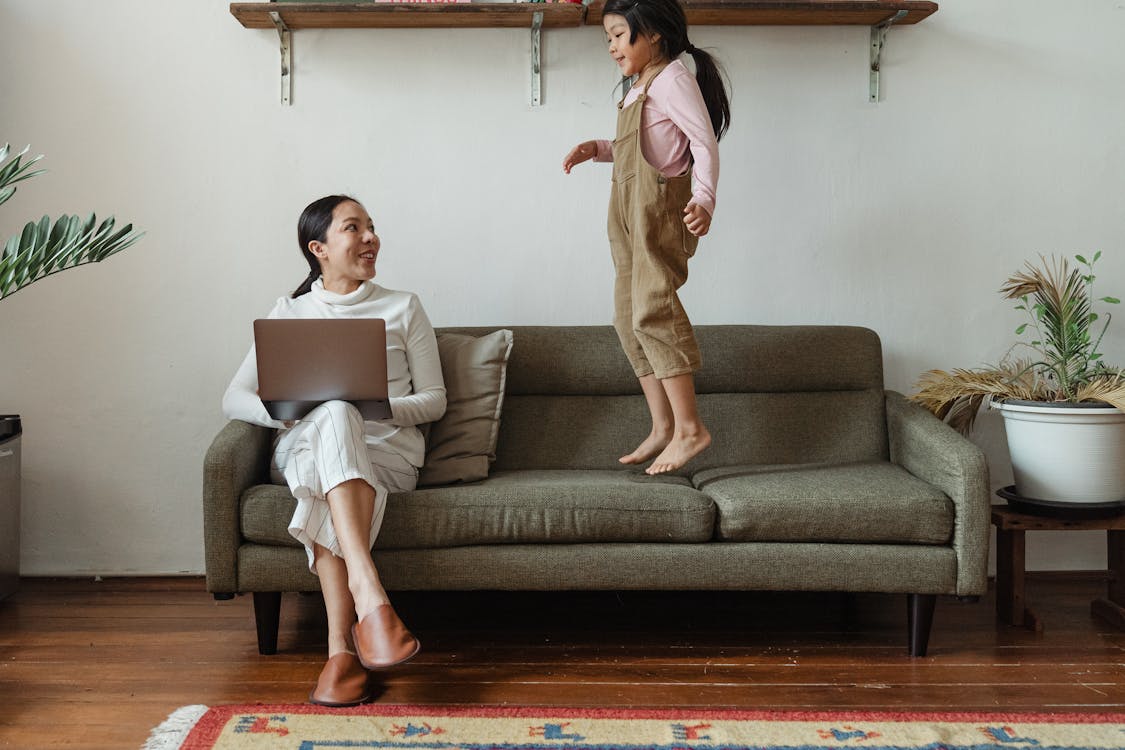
1062,361
45,247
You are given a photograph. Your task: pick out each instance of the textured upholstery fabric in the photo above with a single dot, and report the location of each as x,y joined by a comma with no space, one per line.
573,401
590,432
716,565
863,502
888,498
793,566
518,507
238,459
588,361
461,445
935,453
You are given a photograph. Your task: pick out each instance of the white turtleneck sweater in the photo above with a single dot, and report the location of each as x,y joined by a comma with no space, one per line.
415,383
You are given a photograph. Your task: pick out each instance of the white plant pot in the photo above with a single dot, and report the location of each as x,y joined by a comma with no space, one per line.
1066,453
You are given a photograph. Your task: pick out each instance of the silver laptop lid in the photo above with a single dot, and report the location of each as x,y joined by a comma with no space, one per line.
303,362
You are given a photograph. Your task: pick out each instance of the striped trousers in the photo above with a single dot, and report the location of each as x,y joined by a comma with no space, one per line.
326,448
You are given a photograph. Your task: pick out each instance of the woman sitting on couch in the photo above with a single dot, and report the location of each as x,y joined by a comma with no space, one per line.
339,467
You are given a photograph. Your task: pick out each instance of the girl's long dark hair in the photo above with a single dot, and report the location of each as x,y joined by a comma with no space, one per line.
666,18
313,225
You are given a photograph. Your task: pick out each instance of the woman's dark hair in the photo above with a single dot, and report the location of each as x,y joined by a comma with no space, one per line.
666,18
313,225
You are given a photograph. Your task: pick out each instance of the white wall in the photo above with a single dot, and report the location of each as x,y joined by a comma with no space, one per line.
999,138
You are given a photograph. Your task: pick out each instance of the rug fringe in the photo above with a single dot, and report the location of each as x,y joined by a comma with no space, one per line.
174,730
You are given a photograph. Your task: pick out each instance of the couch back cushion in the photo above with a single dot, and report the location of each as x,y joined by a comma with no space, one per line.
768,394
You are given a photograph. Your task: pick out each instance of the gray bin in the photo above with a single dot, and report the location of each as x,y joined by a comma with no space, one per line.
10,431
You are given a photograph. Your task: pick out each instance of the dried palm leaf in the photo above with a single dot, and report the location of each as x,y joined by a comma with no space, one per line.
1110,389
957,396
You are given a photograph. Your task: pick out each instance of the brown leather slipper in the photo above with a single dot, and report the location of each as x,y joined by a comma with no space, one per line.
382,640
342,682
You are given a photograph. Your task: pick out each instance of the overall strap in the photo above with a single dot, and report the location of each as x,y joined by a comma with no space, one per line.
654,75
644,92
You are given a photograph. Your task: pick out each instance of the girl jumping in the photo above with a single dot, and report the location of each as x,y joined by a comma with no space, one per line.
665,168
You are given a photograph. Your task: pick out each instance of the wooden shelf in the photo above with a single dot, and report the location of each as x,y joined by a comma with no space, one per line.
286,17
793,13
380,15
384,15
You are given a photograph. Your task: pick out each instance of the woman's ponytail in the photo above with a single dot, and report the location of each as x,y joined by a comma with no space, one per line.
306,285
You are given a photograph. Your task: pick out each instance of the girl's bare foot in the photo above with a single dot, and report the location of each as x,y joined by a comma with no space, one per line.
652,445
680,450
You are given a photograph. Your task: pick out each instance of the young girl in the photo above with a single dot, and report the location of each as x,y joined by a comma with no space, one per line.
668,126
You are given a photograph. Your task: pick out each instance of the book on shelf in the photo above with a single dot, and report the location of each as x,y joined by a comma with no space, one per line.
363,2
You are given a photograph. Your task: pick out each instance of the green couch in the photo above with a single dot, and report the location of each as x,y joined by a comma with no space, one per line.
817,479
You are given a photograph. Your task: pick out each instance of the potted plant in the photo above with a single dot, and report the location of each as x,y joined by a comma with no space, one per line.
1062,405
43,248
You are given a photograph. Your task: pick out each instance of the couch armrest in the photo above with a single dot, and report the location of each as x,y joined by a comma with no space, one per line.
237,459
936,453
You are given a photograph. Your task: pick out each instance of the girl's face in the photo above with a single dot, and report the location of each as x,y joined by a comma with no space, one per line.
631,57
347,255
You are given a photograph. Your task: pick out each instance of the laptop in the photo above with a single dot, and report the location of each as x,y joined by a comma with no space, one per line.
303,362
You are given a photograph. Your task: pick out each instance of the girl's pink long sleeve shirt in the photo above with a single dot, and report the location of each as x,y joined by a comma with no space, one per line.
675,131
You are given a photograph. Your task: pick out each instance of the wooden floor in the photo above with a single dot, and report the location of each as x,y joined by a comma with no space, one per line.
96,664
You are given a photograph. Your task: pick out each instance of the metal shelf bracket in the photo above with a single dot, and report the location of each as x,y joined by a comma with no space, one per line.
286,38
878,39
536,59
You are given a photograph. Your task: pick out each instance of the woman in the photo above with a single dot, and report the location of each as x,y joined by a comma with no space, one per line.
339,467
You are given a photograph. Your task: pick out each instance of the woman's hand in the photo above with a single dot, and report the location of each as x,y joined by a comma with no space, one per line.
582,152
697,219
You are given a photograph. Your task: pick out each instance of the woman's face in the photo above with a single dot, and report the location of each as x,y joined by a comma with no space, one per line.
347,255
631,57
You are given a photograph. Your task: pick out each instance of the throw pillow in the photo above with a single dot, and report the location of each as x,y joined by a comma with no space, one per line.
462,444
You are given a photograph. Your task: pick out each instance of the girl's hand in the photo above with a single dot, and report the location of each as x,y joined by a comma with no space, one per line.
697,219
582,152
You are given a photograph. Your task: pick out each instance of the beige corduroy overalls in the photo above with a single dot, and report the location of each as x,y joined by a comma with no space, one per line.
650,246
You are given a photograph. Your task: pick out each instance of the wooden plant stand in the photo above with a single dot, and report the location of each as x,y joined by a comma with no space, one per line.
1011,524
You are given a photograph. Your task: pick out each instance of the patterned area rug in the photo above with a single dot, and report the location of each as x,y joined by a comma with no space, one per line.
306,727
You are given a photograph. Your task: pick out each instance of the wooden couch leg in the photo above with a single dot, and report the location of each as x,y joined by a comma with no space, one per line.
920,616
267,617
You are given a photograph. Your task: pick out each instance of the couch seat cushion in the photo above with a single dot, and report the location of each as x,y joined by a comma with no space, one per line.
862,502
517,507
